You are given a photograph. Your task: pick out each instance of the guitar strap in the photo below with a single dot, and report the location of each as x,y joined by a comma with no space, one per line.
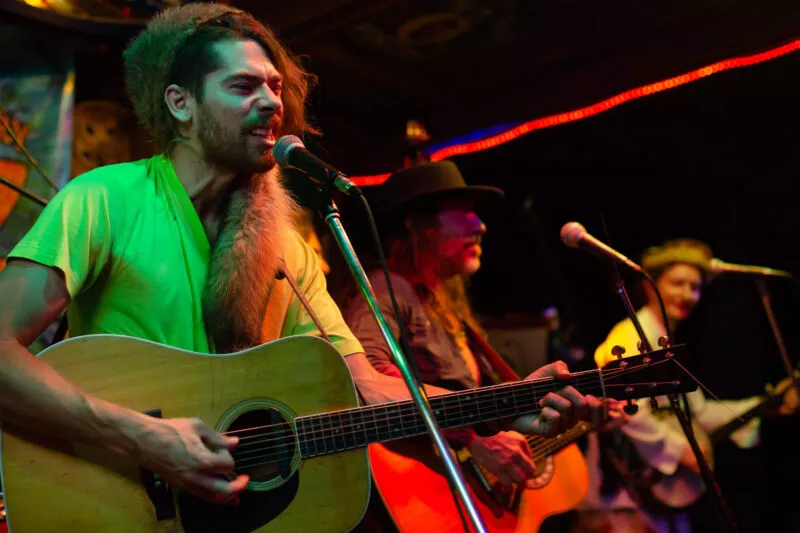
495,360
283,273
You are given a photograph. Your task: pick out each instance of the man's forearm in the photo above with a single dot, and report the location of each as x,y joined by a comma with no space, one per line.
36,397
376,387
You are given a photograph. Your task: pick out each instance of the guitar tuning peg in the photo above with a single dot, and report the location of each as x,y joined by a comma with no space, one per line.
617,352
653,404
631,408
664,341
640,346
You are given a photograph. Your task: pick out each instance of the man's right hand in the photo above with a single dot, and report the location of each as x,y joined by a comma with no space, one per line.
506,455
192,457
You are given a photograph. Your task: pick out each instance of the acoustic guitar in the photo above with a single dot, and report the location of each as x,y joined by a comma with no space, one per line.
418,497
303,436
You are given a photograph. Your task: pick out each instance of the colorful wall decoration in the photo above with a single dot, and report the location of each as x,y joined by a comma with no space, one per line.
37,80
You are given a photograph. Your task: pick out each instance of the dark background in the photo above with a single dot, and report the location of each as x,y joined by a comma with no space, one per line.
715,160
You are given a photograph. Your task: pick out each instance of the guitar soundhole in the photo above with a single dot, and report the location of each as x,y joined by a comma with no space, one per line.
267,453
266,447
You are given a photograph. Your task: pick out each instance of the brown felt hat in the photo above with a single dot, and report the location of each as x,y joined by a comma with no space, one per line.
425,184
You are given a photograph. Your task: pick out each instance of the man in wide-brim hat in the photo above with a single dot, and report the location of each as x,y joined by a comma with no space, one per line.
432,238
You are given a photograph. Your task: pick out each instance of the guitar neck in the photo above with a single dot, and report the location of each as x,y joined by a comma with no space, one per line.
337,431
723,432
543,447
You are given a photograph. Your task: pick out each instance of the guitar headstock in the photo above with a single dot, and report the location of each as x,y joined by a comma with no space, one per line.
651,374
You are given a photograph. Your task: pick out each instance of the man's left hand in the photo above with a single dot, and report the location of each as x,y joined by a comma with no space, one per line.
562,409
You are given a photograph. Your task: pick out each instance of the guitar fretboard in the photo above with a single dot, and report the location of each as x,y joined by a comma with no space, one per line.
348,429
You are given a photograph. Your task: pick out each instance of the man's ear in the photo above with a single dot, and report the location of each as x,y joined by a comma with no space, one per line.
181,104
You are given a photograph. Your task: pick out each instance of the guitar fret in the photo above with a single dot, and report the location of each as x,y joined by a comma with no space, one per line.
399,420
387,424
492,408
413,420
309,434
441,413
360,437
302,443
326,433
337,437
377,437
348,431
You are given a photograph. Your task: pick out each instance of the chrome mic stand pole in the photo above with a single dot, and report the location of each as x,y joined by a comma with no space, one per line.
330,214
766,299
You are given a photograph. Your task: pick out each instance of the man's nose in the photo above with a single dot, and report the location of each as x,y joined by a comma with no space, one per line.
268,103
476,224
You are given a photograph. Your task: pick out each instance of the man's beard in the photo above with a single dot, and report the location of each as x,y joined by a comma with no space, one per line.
228,149
244,260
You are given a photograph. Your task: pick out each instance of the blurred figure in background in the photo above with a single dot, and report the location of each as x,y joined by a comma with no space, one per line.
653,444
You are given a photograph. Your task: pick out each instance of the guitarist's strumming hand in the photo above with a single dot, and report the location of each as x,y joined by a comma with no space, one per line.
192,457
561,410
506,455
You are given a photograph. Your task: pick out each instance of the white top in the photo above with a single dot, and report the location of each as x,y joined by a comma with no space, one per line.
659,443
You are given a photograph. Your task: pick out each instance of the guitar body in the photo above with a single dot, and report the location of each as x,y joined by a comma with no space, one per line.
418,496
684,487
662,494
53,485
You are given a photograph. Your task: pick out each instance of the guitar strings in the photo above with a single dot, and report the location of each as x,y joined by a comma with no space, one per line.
448,403
402,405
609,374
287,449
328,433
539,452
550,446
281,448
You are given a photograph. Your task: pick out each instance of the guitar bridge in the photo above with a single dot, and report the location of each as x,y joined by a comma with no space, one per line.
157,488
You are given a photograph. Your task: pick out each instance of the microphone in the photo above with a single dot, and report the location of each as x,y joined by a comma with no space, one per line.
289,151
718,266
575,235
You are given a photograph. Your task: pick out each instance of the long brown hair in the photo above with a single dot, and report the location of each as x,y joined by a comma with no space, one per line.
177,47
407,246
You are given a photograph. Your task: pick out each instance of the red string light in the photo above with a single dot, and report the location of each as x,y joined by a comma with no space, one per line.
585,112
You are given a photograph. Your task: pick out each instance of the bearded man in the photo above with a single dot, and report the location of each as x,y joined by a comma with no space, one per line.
191,248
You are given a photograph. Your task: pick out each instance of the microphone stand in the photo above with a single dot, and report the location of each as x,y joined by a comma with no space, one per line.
330,214
766,299
724,512
32,196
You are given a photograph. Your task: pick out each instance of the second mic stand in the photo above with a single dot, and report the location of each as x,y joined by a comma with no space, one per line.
330,214
729,523
766,299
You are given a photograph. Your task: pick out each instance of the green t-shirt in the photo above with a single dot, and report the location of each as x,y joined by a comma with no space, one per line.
134,255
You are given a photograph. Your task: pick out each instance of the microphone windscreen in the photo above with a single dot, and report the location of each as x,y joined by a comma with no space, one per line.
571,234
716,266
282,147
